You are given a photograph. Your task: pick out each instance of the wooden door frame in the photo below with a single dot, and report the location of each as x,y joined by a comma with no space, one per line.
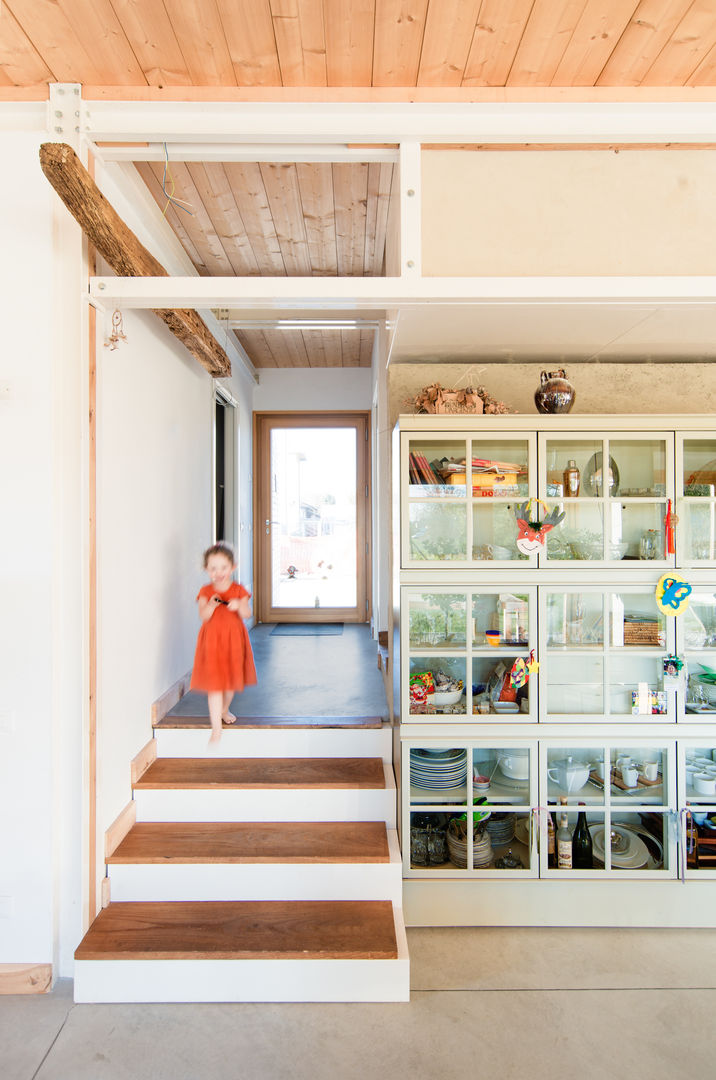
262,424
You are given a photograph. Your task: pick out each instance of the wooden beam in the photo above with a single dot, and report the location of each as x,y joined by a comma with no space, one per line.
119,246
25,978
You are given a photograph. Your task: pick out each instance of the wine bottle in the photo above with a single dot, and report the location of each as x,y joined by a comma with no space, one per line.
564,839
551,843
582,843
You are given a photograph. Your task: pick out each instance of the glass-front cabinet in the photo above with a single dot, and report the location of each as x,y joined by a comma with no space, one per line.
600,649
470,809
459,497
613,493
696,488
626,790
557,712
463,648
697,788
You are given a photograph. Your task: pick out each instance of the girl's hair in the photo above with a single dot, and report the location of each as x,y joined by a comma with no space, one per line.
220,548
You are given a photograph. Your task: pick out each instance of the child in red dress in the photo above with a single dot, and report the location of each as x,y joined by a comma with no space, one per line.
223,662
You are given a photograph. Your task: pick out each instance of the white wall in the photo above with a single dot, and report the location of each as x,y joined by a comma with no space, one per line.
306,389
40,564
569,212
154,519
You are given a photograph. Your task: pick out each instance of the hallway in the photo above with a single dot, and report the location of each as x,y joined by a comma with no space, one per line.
548,1004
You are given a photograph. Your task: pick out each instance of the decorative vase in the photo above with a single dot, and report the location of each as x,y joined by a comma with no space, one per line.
555,393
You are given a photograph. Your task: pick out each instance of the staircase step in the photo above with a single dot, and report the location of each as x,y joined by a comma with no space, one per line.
284,742
257,861
244,951
213,772
254,842
280,722
266,789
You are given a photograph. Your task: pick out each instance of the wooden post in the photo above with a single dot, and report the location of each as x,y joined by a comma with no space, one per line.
118,245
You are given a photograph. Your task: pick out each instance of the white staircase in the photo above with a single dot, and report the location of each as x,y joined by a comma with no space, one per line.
270,873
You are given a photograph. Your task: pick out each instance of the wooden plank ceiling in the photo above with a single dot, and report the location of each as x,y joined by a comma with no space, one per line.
323,219
427,43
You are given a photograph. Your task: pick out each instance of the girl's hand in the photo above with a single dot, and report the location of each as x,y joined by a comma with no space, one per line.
233,605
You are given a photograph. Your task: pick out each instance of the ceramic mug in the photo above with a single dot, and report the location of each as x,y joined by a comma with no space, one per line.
629,775
651,770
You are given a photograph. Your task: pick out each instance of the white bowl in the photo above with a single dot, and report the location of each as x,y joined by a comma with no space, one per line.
444,697
704,784
515,764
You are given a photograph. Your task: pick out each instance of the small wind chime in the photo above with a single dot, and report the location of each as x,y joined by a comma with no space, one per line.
118,333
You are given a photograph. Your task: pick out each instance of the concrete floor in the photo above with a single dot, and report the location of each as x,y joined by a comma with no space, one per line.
499,1003
307,676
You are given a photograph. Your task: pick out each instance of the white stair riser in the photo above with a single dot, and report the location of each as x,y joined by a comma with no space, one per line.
247,980
241,980
252,881
278,742
178,804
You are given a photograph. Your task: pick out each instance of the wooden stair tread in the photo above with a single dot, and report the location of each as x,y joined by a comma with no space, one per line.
242,722
242,930
248,773
177,842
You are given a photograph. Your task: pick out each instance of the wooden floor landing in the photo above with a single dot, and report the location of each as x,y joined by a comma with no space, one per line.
254,842
247,773
261,722
243,930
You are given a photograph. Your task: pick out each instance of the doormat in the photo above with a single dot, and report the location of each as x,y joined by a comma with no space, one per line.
306,629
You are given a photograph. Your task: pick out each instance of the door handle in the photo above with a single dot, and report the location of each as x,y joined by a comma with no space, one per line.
269,523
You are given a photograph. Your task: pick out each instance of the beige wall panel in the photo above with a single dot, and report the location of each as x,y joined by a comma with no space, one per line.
569,212
600,388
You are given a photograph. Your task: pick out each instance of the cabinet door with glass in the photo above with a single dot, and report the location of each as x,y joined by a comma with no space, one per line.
614,494
459,498
612,806
696,490
601,654
696,645
469,809
466,653
697,797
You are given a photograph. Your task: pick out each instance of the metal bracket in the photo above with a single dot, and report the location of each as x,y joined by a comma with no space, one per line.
66,113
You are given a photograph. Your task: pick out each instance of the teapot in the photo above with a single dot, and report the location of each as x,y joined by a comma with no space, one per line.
569,774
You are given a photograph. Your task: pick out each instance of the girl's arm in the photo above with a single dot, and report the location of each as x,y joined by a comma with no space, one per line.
241,606
207,607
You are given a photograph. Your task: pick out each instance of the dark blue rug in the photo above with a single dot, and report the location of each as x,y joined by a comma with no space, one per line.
306,629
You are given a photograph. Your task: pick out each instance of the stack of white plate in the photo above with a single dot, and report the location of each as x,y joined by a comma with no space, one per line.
482,852
501,828
436,770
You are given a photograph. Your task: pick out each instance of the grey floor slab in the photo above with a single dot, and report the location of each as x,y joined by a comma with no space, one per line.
549,1035
307,676
29,1025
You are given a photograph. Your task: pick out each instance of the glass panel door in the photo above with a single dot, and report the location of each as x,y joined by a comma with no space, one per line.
696,479
613,493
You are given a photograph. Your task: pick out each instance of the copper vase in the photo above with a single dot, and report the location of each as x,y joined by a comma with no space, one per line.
555,393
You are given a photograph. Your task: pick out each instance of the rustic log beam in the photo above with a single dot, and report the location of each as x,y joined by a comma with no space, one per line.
122,250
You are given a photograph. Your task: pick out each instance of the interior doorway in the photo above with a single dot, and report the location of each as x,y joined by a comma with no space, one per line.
312,517
225,456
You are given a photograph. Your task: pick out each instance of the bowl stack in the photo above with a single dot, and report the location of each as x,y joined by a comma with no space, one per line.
482,852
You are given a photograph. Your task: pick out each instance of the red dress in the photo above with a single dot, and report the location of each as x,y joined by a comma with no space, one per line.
223,658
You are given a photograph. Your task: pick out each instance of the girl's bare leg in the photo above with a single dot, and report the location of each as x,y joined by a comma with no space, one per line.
216,706
227,716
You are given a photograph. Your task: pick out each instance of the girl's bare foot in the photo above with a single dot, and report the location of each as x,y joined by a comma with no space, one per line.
214,740
228,717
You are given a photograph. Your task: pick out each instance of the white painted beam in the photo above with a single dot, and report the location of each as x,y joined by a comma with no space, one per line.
371,293
341,123
228,151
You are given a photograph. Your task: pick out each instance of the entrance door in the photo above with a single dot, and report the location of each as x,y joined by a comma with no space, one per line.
312,517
